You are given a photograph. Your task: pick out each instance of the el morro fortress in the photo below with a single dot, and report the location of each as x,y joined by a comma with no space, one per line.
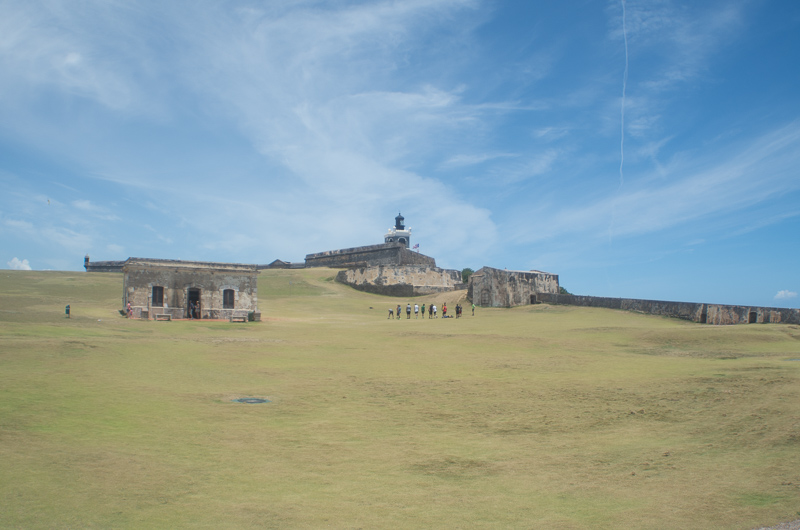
392,268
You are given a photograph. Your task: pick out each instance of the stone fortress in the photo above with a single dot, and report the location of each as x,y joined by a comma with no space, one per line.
222,290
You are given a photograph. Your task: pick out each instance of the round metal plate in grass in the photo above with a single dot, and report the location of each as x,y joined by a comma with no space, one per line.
251,400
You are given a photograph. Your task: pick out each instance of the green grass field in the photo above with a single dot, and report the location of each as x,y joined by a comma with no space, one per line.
532,417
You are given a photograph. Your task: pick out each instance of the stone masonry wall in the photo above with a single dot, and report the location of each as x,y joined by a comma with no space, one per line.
372,255
695,312
489,287
402,281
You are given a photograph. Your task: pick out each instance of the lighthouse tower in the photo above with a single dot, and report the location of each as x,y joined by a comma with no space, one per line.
399,234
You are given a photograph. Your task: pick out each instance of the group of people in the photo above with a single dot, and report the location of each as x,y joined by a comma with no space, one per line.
432,311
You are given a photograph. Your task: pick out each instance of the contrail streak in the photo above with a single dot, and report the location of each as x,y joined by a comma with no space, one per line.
622,107
621,127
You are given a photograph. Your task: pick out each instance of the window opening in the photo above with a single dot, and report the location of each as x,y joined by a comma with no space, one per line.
227,299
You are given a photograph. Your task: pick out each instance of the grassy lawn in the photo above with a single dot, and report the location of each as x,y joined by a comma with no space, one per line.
532,417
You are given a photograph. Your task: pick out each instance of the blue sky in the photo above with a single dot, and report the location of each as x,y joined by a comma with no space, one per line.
646,149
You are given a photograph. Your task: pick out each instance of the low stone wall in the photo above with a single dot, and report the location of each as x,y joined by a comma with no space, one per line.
695,312
372,255
401,281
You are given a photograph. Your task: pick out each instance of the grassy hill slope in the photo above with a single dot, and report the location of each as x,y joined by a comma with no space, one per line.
536,416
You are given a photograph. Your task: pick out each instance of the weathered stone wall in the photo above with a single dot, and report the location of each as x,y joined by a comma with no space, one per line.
372,255
702,313
178,277
402,281
489,287
732,314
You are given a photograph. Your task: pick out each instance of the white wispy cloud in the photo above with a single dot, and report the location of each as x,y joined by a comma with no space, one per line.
785,294
473,159
18,264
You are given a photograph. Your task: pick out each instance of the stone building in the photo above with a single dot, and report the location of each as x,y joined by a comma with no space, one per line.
170,287
394,251
490,287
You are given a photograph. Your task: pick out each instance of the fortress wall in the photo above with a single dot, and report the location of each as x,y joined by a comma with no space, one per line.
372,255
695,312
489,287
103,266
403,281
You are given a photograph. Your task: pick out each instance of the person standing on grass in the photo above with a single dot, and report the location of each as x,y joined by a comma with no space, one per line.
430,311
408,311
434,311
130,310
473,309
416,310
398,311
444,310
423,310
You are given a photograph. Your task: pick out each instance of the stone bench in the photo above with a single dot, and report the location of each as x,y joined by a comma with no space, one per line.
165,316
238,319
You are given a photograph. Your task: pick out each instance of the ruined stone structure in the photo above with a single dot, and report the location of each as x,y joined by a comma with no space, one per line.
102,266
490,287
369,256
398,234
405,281
168,287
700,313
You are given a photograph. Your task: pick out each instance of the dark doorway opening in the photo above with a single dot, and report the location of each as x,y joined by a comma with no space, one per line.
193,311
753,317
158,296
704,315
